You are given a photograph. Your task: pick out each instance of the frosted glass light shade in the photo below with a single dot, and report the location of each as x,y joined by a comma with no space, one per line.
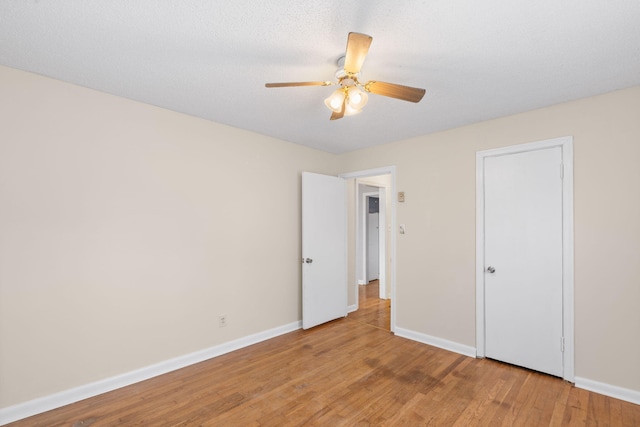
334,101
350,111
357,98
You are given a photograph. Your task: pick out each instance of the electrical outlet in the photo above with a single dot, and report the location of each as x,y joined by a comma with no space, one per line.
222,321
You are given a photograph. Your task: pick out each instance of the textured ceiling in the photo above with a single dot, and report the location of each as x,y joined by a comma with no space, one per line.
477,60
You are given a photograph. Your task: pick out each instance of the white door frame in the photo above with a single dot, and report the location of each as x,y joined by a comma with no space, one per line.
386,170
566,169
382,243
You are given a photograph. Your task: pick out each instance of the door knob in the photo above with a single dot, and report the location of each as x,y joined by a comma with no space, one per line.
491,269
308,260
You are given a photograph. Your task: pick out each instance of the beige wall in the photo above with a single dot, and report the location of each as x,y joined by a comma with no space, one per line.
126,230
436,258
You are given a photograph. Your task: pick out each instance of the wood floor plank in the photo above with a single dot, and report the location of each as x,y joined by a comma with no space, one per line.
350,372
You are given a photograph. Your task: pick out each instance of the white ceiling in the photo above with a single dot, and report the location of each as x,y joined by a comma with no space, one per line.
210,58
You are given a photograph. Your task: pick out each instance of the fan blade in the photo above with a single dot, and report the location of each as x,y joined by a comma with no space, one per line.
291,84
357,48
405,93
340,114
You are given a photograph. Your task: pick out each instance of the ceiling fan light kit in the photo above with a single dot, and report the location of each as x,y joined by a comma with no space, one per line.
352,96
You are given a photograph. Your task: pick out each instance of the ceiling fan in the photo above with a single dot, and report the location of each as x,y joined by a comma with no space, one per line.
352,96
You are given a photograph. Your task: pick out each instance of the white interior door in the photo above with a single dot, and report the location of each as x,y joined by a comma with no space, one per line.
523,256
324,249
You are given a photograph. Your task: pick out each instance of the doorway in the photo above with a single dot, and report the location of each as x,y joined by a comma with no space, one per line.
382,182
524,256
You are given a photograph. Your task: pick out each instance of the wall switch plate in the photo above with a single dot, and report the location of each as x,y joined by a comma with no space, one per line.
401,196
402,228
222,321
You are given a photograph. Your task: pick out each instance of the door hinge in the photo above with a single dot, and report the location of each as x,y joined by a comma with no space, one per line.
562,345
561,170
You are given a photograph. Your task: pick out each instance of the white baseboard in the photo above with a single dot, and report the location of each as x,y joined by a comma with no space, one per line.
47,403
621,393
436,342
352,308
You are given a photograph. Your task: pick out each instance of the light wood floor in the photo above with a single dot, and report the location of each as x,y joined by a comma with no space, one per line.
349,372
371,309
